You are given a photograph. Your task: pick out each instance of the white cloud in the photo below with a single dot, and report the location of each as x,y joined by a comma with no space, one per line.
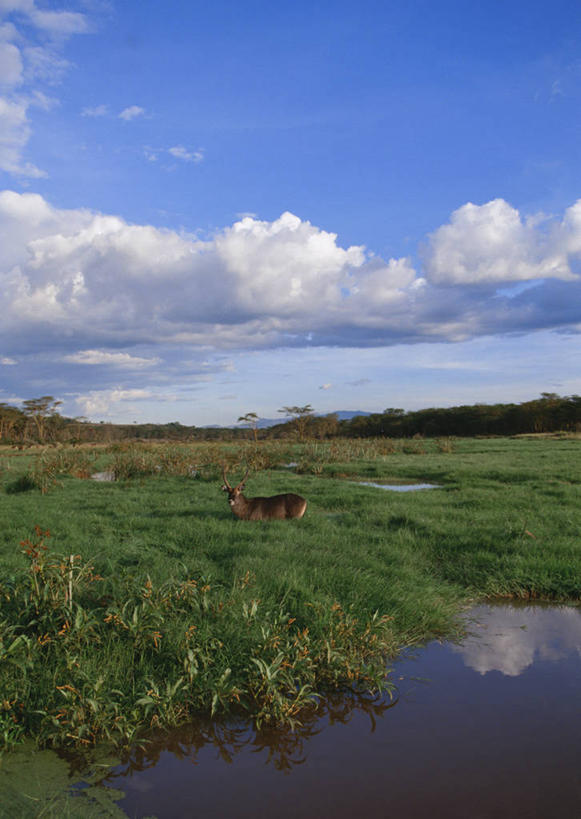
106,285
121,401
325,386
570,233
179,152
16,5
491,243
132,112
95,111
102,357
28,56
42,64
10,64
59,22
14,135
102,402
7,362
50,21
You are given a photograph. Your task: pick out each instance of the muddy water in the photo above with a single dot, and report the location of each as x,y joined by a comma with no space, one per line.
487,729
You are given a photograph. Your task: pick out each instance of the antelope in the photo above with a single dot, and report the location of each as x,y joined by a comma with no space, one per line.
277,507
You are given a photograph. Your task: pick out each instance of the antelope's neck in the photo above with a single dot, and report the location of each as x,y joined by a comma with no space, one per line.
240,507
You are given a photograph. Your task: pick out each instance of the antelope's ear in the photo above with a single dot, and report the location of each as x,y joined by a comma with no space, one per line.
224,488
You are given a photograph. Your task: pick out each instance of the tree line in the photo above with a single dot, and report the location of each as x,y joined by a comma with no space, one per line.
38,421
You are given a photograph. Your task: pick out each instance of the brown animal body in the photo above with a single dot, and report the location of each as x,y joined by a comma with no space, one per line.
277,507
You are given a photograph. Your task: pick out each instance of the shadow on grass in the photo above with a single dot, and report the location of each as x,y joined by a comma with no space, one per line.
24,483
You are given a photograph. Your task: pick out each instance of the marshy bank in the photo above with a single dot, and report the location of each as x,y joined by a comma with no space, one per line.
475,727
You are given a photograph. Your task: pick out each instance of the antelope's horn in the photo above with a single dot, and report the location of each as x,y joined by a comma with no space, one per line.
243,479
225,478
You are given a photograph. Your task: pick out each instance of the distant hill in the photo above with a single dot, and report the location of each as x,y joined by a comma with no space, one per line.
264,423
347,415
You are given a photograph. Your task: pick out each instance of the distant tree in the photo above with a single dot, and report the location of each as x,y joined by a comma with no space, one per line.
301,417
325,426
251,420
39,411
9,419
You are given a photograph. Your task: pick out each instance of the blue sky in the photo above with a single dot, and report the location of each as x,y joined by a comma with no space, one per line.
212,209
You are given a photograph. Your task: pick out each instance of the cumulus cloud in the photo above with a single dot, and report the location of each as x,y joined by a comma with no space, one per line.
100,285
492,243
102,402
132,112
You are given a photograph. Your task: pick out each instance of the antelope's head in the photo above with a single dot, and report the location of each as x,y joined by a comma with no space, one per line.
234,492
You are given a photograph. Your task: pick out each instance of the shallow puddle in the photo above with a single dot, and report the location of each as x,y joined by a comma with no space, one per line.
400,487
487,728
103,476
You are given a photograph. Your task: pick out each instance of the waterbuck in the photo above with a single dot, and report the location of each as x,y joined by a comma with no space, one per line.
277,507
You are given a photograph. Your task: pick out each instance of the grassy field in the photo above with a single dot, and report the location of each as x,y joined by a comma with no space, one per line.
137,603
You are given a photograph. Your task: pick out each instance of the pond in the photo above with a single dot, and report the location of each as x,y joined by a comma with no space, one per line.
490,727
478,729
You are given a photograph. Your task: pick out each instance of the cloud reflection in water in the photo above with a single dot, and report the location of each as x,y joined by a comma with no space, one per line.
510,639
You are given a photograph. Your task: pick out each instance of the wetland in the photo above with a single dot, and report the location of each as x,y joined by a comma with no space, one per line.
134,607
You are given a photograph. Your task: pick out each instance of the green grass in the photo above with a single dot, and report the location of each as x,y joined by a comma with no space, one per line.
197,611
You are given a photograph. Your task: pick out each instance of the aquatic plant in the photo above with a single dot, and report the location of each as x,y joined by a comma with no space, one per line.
86,658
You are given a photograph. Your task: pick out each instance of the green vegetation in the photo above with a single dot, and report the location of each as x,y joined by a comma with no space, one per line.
38,421
135,604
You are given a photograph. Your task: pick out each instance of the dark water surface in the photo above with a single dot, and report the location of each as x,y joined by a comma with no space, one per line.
487,729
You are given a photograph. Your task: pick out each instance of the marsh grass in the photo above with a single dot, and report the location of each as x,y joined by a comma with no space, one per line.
85,657
149,603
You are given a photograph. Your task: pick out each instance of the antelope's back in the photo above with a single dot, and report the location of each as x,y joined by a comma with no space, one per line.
295,506
278,507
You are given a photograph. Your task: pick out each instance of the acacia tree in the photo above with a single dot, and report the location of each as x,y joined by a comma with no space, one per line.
251,418
301,417
39,411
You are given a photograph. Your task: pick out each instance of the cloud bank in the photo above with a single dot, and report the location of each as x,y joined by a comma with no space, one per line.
87,281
